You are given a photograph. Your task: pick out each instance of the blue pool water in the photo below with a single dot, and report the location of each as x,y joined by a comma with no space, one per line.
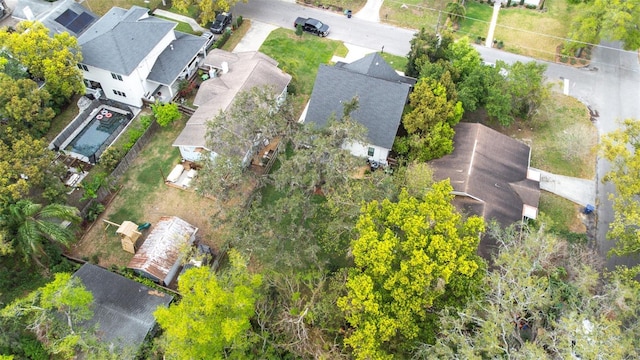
97,132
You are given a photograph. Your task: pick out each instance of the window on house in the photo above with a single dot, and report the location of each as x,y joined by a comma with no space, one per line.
116,76
371,151
119,93
83,67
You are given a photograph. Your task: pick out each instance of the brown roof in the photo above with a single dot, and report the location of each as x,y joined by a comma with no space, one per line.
160,251
246,71
490,168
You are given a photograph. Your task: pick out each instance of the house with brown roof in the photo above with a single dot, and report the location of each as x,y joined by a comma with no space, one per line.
230,74
160,256
491,176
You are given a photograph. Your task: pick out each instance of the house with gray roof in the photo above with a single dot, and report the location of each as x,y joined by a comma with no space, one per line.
122,308
491,177
132,57
230,74
382,95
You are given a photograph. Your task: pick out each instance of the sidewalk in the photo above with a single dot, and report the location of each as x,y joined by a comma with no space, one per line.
194,25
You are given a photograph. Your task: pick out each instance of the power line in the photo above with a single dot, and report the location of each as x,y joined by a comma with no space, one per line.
514,28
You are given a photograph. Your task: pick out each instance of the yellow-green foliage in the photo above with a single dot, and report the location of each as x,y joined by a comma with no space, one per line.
213,314
405,256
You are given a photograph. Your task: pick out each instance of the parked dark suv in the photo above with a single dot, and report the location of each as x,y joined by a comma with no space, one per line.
223,21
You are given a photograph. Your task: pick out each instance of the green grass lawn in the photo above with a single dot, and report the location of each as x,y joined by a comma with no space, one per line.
414,14
300,56
560,215
477,20
182,26
100,7
534,33
398,63
564,139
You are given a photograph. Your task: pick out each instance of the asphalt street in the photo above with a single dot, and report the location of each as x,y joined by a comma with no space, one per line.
610,85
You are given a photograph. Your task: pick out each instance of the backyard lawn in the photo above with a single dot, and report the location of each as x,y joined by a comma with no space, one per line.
143,197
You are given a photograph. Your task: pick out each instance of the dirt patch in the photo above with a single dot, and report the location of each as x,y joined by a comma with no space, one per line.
101,241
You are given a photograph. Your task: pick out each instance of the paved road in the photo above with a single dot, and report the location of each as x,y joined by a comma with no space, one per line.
355,31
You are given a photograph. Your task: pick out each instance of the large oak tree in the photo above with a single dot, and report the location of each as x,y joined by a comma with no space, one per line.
410,257
52,59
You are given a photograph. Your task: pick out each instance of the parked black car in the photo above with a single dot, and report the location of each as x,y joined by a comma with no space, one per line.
223,20
313,26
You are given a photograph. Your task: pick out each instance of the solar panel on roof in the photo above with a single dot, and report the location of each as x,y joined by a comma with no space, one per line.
66,17
80,23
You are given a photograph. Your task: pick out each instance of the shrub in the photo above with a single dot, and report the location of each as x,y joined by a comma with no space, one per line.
222,39
94,211
239,20
165,113
110,158
521,2
134,134
145,121
572,61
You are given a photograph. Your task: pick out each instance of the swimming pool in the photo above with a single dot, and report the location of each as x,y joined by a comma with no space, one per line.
101,130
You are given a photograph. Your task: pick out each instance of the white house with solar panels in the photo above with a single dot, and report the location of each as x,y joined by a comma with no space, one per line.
128,55
132,57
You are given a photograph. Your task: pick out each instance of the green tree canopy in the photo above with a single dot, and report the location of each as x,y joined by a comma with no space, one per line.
515,90
54,313
211,321
430,121
610,20
26,164
621,148
26,226
52,59
208,8
426,47
24,108
408,254
544,299
455,11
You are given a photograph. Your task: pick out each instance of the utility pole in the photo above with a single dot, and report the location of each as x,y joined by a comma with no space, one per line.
438,24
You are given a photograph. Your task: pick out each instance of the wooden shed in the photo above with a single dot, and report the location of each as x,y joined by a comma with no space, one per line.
129,236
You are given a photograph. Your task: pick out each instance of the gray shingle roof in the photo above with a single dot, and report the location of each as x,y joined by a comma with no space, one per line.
381,91
122,308
175,58
121,39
